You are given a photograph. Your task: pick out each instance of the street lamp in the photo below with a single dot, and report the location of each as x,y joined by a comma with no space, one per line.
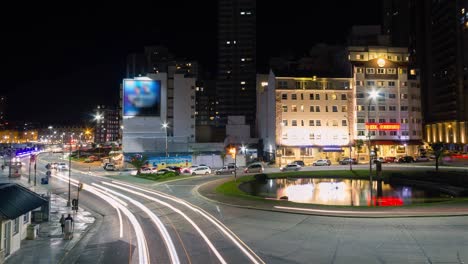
165,126
350,145
372,95
69,176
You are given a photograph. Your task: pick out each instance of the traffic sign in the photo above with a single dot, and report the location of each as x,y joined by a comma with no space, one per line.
75,202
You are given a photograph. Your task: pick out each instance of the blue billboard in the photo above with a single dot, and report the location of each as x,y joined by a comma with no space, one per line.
141,97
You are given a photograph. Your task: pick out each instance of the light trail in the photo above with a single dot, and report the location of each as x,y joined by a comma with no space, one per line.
162,229
326,211
202,234
225,230
143,252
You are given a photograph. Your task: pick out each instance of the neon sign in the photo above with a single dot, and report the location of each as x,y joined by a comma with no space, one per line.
382,126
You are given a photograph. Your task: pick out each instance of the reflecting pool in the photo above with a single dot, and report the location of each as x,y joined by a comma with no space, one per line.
347,192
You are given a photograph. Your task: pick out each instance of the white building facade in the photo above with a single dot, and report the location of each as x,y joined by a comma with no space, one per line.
305,118
164,132
391,123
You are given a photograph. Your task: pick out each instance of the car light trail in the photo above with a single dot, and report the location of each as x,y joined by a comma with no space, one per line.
236,240
326,211
143,252
162,229
202,234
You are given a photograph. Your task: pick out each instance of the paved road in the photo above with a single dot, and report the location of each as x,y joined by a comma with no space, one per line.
281,237
157,228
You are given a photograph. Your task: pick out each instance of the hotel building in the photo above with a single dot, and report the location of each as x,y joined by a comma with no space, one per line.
390,122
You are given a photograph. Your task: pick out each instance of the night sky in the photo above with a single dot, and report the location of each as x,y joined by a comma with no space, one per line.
59,62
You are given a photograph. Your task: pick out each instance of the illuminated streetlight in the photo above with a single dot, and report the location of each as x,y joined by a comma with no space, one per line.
165,126
372,95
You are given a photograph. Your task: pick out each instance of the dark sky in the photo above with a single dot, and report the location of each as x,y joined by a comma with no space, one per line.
59,62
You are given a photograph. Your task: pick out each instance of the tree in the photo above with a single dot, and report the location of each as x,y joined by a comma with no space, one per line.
438,149
223,156
358,143
139,161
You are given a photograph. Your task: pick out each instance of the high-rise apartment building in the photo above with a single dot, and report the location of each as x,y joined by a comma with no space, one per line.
235,89
446,82
107,124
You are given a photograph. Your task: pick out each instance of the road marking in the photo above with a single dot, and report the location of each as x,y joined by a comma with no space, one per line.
234,238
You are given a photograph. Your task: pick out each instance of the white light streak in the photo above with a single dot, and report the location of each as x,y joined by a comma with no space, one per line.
236,240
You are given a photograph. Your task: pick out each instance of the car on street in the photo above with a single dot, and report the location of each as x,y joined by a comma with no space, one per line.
110,167
201,170
390,159
175,168
227,169
165,170
347,161
62,166
148,170
379,159
406,159
299,162
422,159
322,162
291,167
189,169
254,167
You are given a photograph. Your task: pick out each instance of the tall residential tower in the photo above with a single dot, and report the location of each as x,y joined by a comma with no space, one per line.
235,90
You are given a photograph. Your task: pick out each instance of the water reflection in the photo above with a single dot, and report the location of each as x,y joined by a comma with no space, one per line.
340,192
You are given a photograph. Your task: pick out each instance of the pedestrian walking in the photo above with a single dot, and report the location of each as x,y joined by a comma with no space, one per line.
69,217
62,222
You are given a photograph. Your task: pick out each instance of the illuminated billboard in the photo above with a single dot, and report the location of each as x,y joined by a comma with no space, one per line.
141,97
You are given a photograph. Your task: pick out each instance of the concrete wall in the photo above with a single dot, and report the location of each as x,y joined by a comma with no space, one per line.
184,107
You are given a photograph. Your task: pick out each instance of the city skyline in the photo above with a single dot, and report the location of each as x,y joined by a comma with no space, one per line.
67,63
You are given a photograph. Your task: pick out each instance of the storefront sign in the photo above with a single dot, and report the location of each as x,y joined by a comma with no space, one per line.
382,126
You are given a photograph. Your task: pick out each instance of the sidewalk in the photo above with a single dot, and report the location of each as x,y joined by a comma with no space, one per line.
49,246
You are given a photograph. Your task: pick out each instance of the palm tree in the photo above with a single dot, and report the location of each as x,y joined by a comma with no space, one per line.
223,156
358,143
138,161
438,149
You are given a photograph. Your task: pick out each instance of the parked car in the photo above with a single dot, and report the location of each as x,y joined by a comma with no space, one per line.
175,168
379,159
347,161
254,167
165,170
422,158
299,162
406,159
227,169
148,170
291,167
189,169
201,170
390,159
322,162
110,167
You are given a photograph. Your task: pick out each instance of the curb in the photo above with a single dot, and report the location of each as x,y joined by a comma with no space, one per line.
195,191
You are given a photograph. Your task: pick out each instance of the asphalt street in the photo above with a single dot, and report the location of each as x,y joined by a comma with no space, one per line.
204,232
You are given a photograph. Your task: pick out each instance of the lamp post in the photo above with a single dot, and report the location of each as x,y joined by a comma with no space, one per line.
349,143
165,125
69,176
372,95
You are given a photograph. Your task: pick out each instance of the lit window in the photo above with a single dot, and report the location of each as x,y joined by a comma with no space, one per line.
228,42
412,72
242,13
302,108
344,108
285,108
263,84
293,108
242,82
243,59
333,96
